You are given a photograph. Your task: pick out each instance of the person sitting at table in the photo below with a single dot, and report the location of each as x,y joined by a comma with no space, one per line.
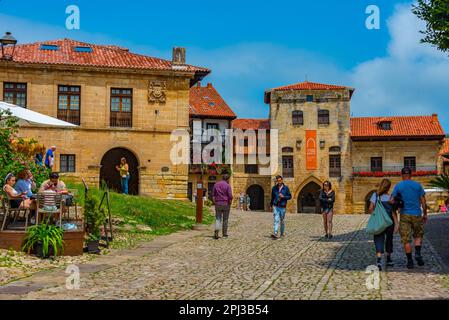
54,184
25,182
16,199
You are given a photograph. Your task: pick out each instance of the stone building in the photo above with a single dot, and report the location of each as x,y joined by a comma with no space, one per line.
247,177
124,104
208,111
319,141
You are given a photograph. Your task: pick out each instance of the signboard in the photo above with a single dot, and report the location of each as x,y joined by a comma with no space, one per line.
311,150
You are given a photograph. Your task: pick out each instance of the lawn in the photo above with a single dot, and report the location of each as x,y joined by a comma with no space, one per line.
138,218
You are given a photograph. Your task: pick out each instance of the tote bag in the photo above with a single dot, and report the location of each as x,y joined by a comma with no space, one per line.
379,220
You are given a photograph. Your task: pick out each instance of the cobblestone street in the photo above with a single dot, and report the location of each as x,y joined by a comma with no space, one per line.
247,265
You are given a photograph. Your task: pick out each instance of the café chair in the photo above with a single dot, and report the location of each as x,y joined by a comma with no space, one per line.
12,213
49,203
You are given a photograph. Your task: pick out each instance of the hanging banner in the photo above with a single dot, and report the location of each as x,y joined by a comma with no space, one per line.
311,150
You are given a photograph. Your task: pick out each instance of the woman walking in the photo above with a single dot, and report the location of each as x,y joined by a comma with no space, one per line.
327,200
123,168
384,241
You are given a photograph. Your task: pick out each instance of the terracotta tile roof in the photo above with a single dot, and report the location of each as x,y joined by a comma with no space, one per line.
307,85
253,124
103,56
207,102
418,127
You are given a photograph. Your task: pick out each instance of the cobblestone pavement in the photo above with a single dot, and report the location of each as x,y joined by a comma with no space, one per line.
249,265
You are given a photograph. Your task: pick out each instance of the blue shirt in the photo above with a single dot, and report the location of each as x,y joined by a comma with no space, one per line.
48,157
23,185
411,192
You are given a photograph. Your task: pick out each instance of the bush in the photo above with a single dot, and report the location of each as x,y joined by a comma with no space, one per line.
13,160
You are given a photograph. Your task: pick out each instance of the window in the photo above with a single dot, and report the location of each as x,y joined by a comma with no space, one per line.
376,164
297,117
49,47
309,98
334,166
410,162
334,149
287,166
67,163
121,108
213,126
287,150
251,169
69,103
83,49
15,93
245,142
323,116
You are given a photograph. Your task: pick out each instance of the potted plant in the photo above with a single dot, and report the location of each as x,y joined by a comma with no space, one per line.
95,219
45,239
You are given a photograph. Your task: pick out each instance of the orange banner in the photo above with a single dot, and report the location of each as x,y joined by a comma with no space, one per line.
311,150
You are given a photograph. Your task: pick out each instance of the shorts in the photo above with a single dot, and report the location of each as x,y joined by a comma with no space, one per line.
411,226
327,210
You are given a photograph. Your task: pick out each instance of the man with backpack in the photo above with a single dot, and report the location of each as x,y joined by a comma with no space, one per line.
409,197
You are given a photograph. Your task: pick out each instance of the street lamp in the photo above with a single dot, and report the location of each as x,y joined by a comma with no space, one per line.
8,40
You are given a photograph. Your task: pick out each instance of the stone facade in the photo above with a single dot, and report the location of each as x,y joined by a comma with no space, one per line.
152,121
332,136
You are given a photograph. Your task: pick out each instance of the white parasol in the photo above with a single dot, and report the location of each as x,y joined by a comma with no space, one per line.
33,117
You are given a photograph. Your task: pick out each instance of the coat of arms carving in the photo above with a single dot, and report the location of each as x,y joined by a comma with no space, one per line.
156,92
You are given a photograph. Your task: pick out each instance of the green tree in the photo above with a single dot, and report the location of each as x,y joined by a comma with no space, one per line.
436,15
10,159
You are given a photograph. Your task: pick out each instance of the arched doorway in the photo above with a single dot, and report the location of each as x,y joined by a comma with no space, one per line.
256,195
368,200
309,198
111,176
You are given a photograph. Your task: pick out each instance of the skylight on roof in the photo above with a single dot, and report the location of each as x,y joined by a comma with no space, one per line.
49,47
211,104
83,49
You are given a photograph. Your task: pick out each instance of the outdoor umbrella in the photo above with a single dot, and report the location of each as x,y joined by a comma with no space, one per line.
32,117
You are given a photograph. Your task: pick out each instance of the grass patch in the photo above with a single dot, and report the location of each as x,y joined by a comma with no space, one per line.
140,218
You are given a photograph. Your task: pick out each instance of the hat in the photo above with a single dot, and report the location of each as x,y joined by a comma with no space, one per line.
406,170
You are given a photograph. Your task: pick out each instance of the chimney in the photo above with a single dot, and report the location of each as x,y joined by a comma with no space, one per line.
209,85
198,84
179,56
435,118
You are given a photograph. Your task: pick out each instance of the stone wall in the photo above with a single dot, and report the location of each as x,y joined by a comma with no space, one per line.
336,134
152,122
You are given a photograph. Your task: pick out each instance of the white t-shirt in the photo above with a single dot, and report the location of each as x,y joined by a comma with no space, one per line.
383,198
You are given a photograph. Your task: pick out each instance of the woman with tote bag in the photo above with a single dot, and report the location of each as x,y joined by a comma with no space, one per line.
383,222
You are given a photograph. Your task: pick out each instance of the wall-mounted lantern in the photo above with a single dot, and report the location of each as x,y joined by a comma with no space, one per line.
298,143
322,144
5,41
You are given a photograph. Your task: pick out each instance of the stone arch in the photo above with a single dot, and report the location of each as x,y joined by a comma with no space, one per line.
111,176
257,197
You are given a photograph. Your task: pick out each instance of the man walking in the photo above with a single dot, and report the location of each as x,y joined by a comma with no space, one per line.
413,212
222,196
280,194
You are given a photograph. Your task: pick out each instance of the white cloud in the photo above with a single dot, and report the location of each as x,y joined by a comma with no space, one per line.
412,79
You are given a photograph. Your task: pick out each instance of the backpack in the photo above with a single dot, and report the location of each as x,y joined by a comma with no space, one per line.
379,220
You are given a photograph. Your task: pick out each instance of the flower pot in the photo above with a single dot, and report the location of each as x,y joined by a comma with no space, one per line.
93,246
40,251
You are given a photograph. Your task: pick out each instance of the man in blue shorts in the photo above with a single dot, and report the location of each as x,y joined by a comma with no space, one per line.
413,215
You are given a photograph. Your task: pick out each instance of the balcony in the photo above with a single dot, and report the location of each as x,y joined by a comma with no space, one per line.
121,119
72,116
393,171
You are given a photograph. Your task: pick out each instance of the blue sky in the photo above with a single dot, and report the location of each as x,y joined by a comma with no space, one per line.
255,45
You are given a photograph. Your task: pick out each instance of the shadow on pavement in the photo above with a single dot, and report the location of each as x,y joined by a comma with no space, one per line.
357,250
